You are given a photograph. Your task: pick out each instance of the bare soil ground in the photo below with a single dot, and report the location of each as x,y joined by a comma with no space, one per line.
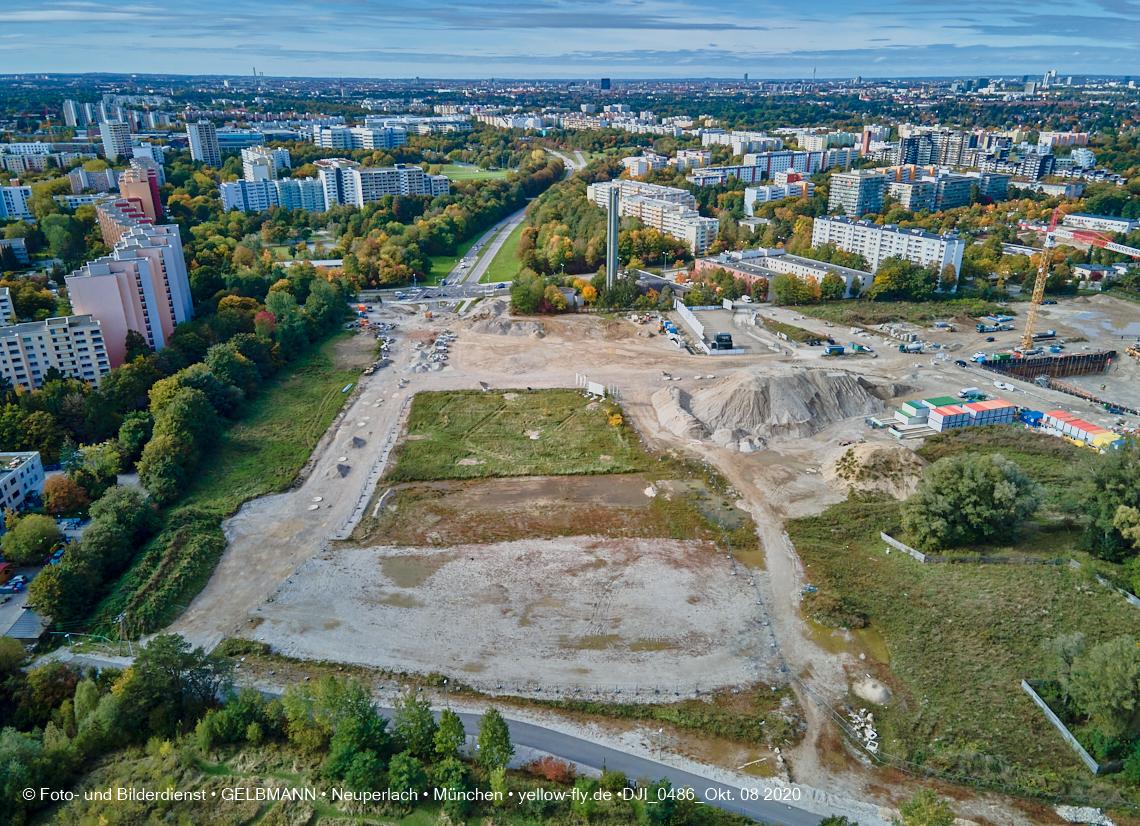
560,614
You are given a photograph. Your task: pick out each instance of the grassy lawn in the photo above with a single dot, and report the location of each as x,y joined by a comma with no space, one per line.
960,638
442,265
791,331
492,435
505,266
464,172
869,313
259,454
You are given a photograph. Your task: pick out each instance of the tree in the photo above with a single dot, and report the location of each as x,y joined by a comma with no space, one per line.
163,467
837,820
63,495
948,279
414,725
134,433
759,290
450,737
131,509
495,747
832,287
32,538
788,288
925,809
1100,488
406,774
136,345
969,498
171,682
1064,651
451,774
1105,684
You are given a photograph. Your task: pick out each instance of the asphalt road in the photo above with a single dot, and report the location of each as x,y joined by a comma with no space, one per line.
574,749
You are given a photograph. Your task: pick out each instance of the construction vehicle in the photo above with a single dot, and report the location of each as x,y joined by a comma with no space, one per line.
1045,335
1039,284
986,328
1134,351
722,341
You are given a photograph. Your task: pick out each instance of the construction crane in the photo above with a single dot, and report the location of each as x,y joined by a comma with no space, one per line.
1039,285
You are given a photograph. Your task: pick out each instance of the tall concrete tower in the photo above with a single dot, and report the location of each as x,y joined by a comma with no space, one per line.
612,223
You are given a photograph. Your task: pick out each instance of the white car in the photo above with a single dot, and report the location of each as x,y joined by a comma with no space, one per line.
980,355
1001,385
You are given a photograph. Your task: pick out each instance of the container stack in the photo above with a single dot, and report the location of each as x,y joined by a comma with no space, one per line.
993,411
913,413
949,417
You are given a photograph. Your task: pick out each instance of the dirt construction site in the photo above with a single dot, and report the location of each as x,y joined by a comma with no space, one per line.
546,590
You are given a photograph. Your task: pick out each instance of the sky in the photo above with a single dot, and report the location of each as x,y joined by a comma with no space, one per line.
572,38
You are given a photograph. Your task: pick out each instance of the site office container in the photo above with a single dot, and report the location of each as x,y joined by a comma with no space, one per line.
915,408
1107,440
939,401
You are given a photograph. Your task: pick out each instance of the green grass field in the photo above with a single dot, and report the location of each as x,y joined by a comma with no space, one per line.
442,265
505,266
463,172
492,434
961,637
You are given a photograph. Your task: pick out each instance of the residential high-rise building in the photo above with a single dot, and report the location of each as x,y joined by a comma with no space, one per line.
1035,167
204,143
142,184
144,162
287,193
90,113
372,183
118,217
270,161
72,114
73,344
605,84
104,181
116,139
667,209
301,193
857,192
14,202
21,474
142,285
360,137
336,179
875,242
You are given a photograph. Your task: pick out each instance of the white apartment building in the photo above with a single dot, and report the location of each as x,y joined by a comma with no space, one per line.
741,142
7,312
142,285
360,137
417,125
26,148
116,139
775,192
691,157
14,202
665,208
371,184
336,179
258,195
267,161
20,474
1101,223
599,192
641,164
876,243
204,143
73,344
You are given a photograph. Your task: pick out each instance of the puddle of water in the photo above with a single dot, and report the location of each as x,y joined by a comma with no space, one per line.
866,641
399,600
598,642
712,506
412,571
651,645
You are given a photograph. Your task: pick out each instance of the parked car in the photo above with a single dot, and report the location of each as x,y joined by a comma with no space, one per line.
1001,385
989,338
501,287
1050,301
960,363
18,580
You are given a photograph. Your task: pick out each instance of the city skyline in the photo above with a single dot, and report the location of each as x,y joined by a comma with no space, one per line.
570,38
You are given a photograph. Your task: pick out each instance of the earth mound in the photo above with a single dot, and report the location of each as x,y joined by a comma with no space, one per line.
493,318
894,469
770,405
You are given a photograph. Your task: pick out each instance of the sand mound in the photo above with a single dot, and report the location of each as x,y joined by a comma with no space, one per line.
787,403
493,319
887,390
872,691
875,466
672,406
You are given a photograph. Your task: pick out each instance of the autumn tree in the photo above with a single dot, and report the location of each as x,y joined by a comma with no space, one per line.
63,495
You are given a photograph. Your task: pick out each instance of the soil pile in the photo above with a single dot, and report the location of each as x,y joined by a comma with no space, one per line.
493,318
894,469
786,403
672,406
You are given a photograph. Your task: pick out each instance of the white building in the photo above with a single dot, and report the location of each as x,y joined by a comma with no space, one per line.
741,142
204,143
14,202
360,137
641,164
416,125
73,345
288,193
7,312
116,139
371,184
767,263
25,148
667,209
1083,158
21,474
1101,223
875,242
267,161
691,157
775,192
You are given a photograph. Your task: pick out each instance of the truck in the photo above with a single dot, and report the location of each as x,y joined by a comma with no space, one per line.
969,391
911,347
722,341
1045,335
986,328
